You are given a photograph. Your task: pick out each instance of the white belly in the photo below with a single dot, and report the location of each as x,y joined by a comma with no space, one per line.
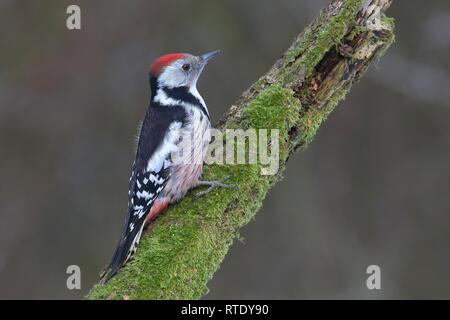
186,171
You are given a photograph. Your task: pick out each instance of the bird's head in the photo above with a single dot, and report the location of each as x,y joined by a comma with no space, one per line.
179,69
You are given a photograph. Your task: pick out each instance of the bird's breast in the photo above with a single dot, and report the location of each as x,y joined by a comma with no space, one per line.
192,147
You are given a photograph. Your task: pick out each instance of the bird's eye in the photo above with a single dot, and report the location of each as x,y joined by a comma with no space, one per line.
186,67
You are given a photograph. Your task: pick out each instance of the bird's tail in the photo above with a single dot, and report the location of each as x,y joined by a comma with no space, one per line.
125,249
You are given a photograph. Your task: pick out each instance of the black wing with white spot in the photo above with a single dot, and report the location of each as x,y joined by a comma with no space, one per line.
144,189
160,133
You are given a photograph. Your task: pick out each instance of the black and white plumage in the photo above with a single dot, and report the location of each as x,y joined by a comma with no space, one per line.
171,147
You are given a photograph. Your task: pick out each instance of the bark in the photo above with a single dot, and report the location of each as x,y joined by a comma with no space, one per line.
184,247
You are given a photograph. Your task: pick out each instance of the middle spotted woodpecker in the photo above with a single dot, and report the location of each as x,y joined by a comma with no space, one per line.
172,144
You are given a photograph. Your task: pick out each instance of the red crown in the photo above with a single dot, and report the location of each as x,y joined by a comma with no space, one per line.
157,65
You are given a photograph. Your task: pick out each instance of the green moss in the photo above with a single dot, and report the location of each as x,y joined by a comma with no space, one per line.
320,37
311,119
356,30
389,22
390,35
274,108
189,241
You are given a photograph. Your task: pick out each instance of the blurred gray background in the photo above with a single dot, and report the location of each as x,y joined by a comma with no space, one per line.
373,187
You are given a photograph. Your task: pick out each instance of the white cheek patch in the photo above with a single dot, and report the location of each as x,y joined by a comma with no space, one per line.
173,76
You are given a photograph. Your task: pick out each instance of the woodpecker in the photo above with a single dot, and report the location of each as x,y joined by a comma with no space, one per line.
172,143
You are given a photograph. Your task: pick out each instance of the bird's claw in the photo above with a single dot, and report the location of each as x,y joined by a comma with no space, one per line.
215,184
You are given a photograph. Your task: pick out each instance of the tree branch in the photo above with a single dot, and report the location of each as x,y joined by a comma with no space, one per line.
185,245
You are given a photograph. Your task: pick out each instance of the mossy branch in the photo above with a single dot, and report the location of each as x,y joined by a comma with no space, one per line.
185,246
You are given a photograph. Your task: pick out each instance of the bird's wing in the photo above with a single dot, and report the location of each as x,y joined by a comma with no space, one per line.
149,175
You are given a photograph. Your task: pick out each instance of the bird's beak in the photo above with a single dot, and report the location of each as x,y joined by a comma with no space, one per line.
208,56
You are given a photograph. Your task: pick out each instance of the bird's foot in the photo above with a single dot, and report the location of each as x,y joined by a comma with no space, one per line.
213,185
